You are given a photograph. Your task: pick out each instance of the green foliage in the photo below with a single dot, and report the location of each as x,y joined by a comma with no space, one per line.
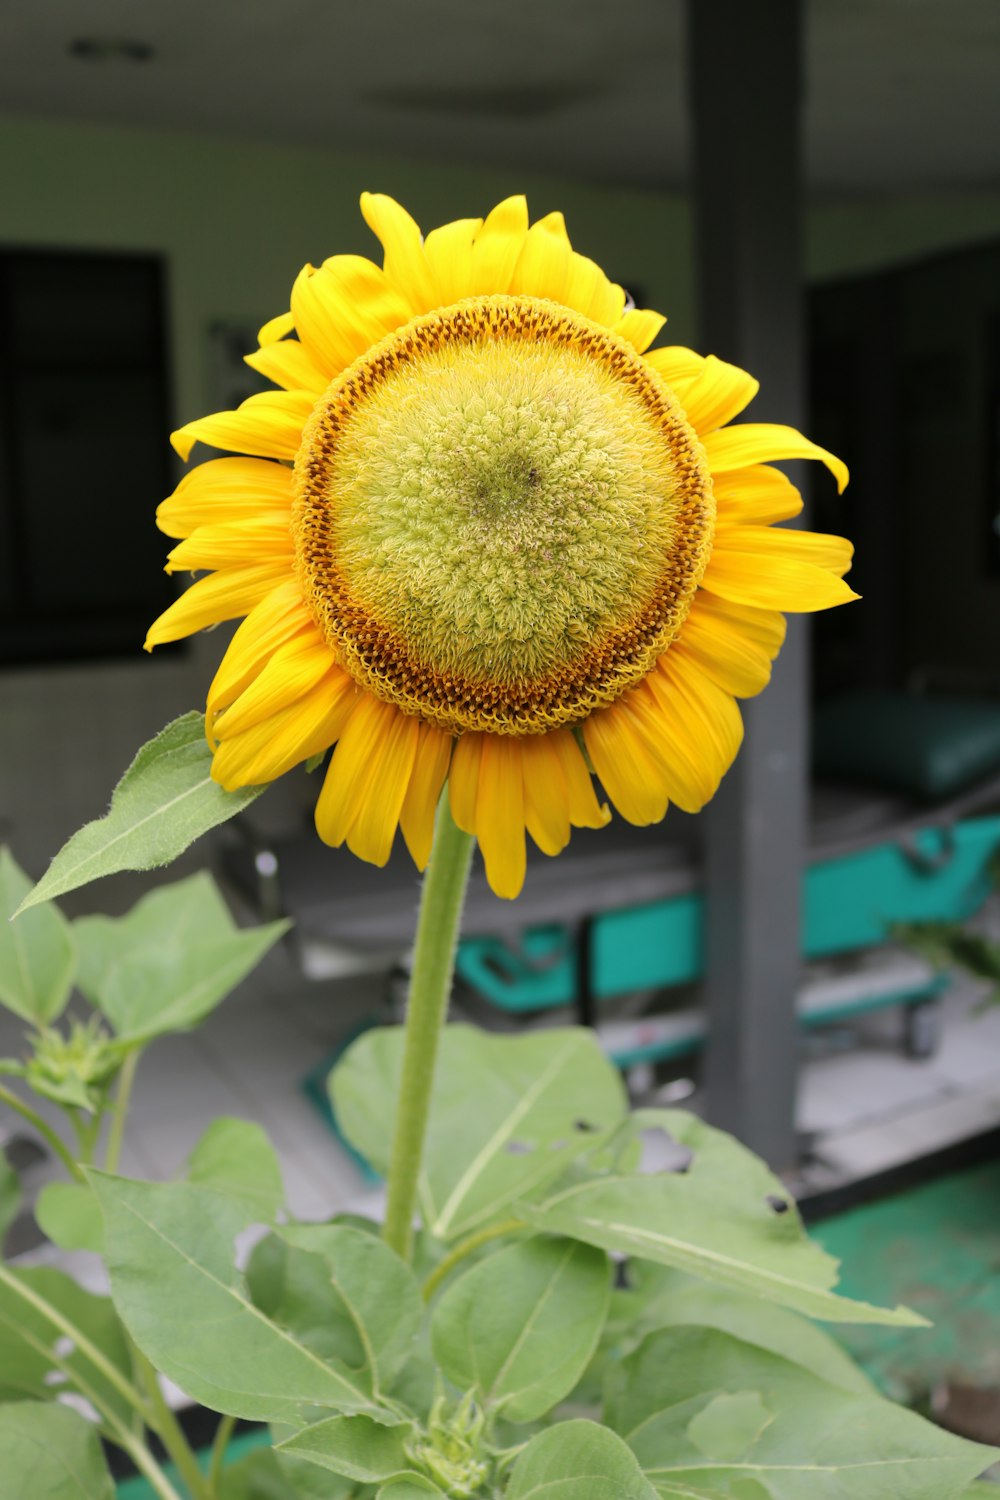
50,1453
73,1067
949,945
10,1196
508,1115
37,954
37,1360
356,1447
726,1217
69,1214
171,1258
520,1328
236,1158
165,800
699,1407
376,1296
169,962
578,1461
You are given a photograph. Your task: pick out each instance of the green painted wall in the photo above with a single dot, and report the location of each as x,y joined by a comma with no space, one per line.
237,221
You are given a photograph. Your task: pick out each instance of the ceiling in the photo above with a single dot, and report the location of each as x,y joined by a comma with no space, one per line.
900,94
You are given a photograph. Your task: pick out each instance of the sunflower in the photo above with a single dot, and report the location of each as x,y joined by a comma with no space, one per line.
483,535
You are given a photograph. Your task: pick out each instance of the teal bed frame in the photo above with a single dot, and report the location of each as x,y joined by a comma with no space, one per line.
850,903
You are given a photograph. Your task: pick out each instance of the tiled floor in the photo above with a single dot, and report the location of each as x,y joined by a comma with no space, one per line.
866,1104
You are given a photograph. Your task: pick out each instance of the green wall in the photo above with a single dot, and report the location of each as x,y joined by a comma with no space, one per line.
237,221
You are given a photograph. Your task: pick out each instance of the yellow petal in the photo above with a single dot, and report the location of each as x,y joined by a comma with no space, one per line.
220,596
718,395
233,544
732,643
546,797
225,489
293,670
698,727
366,780
343,308
627,770
834,553
268,426
306,727
430,767
448,252
542,265
404,262
772,582
500,814
584,809
272,622
463,780
639,326
590,292
760,442
276,328
678,366
758,496
290,365
497,246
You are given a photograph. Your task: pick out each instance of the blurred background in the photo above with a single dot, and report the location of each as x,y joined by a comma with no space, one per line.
812,190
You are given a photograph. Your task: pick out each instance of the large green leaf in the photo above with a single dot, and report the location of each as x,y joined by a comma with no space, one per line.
578,1461
31,1344
70,1216
699,1407
725,1217
50,1453
409,1487
165,800
266,1475
376,1290
236,1158
355,1447
173,1278
342,1293
167,963
660,1297
521,1326
507,1115
37,952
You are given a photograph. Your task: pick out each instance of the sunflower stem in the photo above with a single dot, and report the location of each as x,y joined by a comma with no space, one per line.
440,917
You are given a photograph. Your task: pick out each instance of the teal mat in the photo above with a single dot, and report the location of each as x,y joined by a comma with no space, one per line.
935,1248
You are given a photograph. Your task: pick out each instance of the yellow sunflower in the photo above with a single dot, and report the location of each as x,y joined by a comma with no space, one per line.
482,537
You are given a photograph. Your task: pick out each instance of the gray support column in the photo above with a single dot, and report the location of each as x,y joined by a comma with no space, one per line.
745,88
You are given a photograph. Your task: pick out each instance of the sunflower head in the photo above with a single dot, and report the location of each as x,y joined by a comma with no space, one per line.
483,536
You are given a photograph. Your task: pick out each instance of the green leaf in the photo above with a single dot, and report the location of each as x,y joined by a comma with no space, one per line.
698,1407
50,1453
10,1196
37,953
717,1219
171,1261
30,1343
578,1461
355,1447
659,1297
266,1475
70,1216
409,1487
539,1101
236,1158
377,1290
165,800
522,1325
170,961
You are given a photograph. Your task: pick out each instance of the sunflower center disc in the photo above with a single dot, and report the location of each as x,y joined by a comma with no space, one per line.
502,516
